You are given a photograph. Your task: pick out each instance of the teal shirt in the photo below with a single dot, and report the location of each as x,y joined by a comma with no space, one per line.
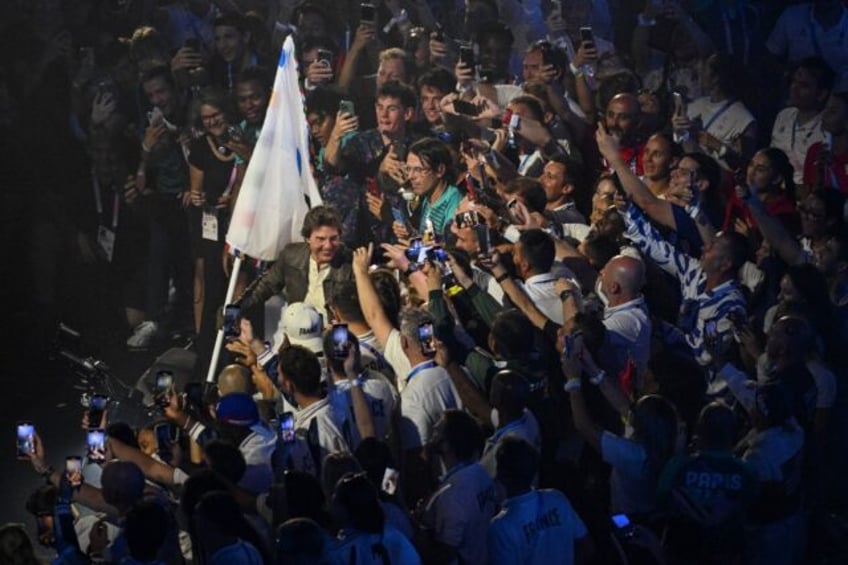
442,212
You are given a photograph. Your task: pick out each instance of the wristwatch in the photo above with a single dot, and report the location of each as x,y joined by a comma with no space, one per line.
411,269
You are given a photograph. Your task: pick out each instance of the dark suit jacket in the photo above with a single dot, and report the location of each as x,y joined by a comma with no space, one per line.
290,275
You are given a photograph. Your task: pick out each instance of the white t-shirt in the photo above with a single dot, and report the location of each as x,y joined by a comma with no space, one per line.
460,510
629,333
397,358
426,395
795,139
382,399
541,290
315,419
723,121
539,526
372,355
257,449
631,490
797,34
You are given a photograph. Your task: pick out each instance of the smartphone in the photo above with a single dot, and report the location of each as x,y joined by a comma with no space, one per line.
586,35
194,395
622,525
466,55
367,13
96,405
325,57
347,107
96,442
26,439
466,108
341,341
484,240
415,250
390,481
232,328
164,435
437,254
679,104
426,338
73,470
162,387
286,427
440,33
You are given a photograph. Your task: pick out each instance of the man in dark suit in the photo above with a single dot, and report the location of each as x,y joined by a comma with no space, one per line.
306,271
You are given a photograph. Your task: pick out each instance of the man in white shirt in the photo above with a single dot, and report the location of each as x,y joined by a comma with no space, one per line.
345,309
533,257
508,396
534,526
380,397
814,29
797,127
316,433
625,313
457,514
427,393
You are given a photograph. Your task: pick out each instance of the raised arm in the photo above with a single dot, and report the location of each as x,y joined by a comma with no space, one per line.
656,208
368,299
773,231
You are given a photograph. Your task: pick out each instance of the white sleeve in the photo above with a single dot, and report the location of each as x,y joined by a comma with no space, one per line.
393,352
621,452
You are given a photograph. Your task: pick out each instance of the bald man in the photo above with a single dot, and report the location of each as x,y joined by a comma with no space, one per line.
626,316
623,119
233,378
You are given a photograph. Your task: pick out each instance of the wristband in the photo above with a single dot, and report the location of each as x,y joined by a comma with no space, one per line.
576,71
501,278
571,385
599,378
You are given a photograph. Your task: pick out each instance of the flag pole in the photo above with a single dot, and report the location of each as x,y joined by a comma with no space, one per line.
219,339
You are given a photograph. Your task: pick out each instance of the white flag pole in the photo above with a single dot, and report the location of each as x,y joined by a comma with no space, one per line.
219,339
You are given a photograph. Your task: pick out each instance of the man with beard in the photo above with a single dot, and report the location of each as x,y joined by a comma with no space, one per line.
622,120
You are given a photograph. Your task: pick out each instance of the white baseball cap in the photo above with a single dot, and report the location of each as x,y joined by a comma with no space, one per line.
304,326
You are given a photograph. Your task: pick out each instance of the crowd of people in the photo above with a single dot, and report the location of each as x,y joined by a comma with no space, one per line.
577,291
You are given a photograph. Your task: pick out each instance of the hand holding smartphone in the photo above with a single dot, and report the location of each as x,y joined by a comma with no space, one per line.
427,339
73,470
286,427
341,341
26,440
162,388
96,443
96,407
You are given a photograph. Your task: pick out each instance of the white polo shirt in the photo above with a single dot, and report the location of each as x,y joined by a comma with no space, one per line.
795,139
429,391
541,290
526,428
629,332
725,120
460,510
539,526
330,439
797,34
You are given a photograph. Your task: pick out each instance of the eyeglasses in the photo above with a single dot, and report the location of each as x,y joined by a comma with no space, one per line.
211,117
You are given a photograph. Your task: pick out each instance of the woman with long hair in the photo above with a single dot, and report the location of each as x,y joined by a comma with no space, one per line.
649,441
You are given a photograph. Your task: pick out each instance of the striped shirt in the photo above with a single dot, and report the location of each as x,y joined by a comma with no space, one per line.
703,313
440,213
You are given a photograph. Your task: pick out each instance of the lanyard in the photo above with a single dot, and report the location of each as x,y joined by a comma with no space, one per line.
815,125
419,368
381,360
718,113
232,181
98,201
